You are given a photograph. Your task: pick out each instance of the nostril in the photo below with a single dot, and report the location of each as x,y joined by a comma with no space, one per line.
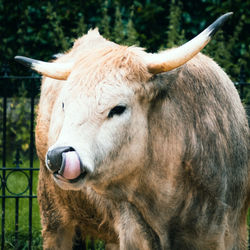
54,157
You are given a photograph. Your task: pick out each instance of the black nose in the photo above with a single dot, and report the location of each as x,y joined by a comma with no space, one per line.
54,157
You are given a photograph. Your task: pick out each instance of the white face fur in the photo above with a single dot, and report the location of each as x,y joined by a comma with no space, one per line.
102,128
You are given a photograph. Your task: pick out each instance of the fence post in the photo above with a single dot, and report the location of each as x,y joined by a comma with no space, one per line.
31,160
4,166
242,80
5,70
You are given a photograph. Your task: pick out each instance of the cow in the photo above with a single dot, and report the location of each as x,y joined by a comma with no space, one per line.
145,151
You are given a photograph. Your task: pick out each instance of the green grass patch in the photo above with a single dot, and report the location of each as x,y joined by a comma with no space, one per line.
23,241
16,212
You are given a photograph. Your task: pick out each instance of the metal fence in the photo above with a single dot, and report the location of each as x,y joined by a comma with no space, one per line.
9,86
12,169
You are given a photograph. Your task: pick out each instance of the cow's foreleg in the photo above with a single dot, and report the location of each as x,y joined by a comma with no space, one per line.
134,232
56,233
61,239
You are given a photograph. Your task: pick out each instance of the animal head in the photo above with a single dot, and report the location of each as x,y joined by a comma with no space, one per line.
99,122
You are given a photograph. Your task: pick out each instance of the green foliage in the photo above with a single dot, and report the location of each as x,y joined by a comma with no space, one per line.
218,51
246,100
18,125
81,27
118,31
40,29
123,31
54,21
176,36
104,24
222,51
131,33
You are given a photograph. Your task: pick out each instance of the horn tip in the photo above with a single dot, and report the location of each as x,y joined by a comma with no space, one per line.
215,26
27,62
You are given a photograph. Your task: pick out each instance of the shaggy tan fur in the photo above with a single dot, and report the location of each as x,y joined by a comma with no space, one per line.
175,177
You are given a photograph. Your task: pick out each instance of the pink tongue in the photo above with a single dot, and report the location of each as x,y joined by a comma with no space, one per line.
72,167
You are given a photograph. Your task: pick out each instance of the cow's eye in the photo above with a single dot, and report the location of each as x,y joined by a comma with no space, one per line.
63,106
117,110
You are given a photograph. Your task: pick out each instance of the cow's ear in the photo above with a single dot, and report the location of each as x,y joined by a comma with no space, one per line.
54,70
173,58
159,85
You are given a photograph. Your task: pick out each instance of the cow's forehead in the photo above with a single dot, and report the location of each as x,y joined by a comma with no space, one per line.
114,65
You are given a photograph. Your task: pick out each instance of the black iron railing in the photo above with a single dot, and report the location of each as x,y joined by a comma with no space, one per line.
8,173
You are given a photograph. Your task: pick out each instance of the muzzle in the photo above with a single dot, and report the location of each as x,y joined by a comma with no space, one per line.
64,162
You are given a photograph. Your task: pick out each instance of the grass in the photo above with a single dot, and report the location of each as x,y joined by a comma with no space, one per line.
17,183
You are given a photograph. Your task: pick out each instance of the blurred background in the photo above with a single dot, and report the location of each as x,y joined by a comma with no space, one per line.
41,29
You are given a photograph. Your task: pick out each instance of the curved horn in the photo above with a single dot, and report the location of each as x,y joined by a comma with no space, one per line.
176,57
58,71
